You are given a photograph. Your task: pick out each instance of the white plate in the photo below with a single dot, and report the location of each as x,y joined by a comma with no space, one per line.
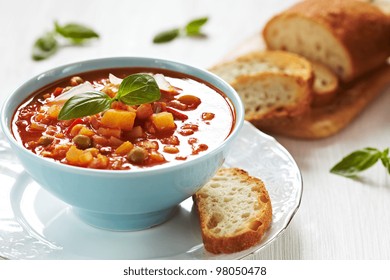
36,225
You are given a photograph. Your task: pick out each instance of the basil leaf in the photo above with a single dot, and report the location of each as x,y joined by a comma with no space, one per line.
386,160
166,36
44,47
193,28
85,104
138,89
356,162
75,31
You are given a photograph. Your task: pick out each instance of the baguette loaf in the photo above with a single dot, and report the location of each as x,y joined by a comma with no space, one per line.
350,37
271,83
234,210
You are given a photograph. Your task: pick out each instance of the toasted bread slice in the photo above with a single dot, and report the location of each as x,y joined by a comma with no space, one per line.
270,83
234,210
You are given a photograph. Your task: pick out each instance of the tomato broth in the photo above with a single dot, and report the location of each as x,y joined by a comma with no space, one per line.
190,118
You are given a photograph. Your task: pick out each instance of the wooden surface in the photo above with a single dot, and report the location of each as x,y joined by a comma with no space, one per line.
338,219
325,121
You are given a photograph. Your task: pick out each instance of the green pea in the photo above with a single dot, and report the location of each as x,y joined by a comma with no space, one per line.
137,155
82,142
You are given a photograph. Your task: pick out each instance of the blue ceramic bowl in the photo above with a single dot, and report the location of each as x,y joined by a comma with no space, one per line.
120,200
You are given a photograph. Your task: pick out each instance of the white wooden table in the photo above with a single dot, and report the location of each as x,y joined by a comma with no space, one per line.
338,219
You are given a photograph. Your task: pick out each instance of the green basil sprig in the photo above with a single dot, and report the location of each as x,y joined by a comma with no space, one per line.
138,89
166,36
47,45
85,104
192,28
135,89
360,160
75,31
44,46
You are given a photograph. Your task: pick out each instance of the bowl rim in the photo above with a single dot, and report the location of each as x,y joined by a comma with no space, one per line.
171,65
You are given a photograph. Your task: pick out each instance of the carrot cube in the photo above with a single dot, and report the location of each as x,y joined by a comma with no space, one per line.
85,158
76,129
86,131
73,154
102,161
125,148
118,119
163,121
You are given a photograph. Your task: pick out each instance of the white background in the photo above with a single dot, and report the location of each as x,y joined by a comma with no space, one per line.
339,218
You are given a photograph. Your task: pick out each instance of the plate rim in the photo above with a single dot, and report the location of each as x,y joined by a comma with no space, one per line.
299,195
245,253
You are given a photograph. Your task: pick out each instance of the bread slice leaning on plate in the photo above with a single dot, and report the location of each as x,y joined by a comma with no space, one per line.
234,210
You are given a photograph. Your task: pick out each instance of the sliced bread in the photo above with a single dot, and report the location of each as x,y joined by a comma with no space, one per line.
325,85
350,37
270,83
234,210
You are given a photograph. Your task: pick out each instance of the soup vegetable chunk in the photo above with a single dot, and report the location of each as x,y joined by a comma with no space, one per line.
121,119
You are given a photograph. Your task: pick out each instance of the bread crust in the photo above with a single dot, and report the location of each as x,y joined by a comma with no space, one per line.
282,60
296,64
323,94
297,108
243,239
362,30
